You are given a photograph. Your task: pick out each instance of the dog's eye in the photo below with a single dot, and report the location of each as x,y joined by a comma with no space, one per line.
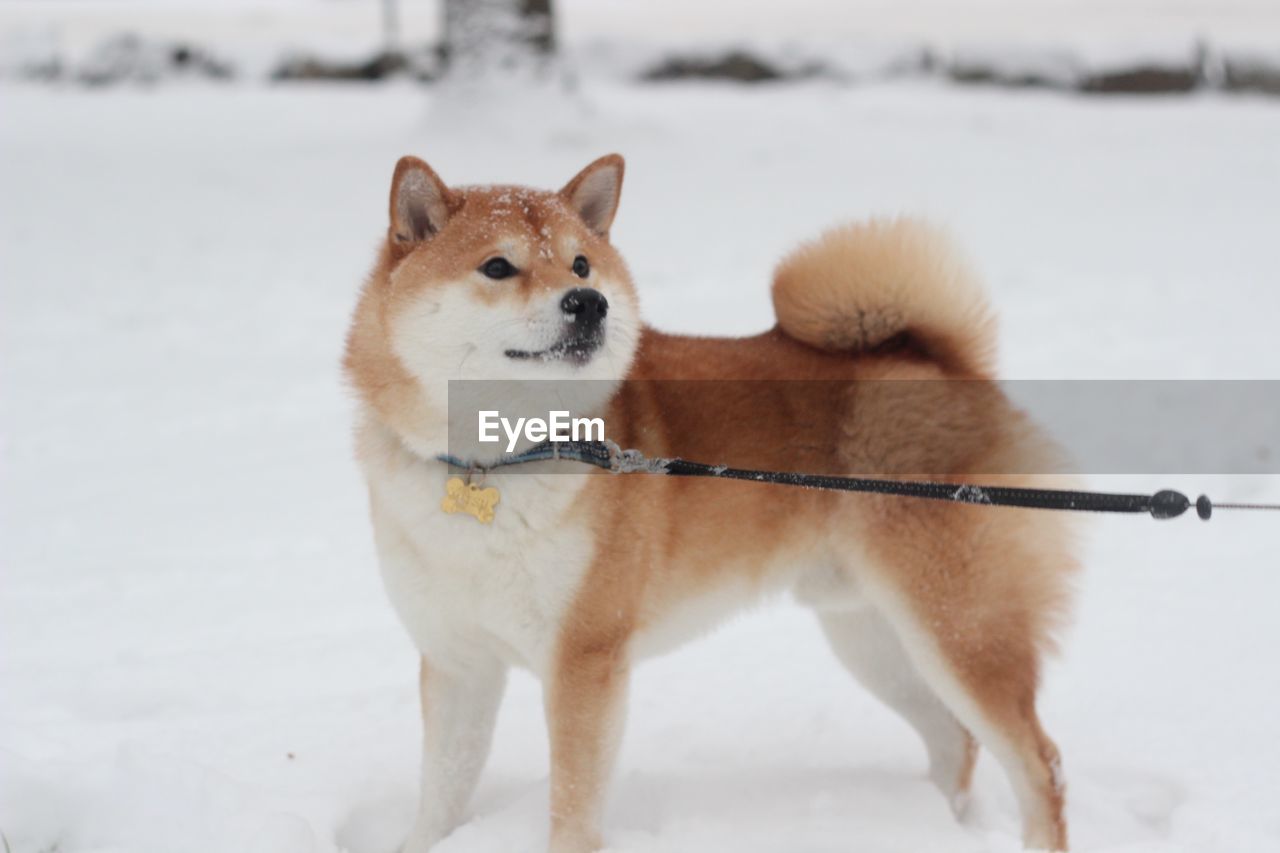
498,268
581,268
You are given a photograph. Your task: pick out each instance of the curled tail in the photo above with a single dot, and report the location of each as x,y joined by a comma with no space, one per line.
861,285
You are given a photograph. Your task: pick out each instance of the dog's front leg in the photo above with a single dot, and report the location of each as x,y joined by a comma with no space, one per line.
586,707
459,708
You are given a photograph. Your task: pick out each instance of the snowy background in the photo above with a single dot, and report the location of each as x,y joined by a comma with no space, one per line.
195,651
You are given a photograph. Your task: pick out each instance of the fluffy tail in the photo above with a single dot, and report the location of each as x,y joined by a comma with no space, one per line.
858,286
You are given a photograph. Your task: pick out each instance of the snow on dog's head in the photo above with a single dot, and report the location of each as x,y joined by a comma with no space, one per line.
495,282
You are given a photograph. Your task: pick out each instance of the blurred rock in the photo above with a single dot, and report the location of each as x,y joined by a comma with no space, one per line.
32,54
421,65
1142,80
132,59
736,65
1012,67
1252,73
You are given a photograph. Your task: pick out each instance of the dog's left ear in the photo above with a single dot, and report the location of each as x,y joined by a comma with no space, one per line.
594,192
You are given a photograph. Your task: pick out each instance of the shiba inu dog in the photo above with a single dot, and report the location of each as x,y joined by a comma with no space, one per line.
943,611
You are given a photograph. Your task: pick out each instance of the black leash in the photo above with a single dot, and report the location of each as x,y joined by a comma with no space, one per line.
1166,503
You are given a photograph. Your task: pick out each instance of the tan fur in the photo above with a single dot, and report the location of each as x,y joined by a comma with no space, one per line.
967,596
860,285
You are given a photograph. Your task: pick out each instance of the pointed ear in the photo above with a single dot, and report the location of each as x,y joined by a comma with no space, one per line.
594,192
420,202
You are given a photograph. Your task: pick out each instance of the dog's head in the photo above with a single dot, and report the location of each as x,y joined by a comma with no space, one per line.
496,282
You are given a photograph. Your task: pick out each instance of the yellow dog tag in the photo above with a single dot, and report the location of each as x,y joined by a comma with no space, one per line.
469,498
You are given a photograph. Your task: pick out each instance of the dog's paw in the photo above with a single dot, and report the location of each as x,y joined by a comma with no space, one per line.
576,842
961,805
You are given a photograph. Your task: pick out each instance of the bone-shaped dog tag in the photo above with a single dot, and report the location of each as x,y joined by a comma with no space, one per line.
471,499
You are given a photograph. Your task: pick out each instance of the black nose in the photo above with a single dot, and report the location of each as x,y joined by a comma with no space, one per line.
587,305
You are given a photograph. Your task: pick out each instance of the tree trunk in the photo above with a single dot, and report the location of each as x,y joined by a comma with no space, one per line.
510,38
390,27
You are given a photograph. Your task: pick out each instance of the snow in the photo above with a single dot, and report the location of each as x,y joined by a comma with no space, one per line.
196,650
679,20
616,37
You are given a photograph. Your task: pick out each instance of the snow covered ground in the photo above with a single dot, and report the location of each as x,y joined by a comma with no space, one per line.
613,37
665,20
195,652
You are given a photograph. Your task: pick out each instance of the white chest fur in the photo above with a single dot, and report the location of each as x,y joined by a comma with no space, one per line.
463,588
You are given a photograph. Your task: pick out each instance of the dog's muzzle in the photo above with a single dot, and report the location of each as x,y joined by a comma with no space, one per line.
585,310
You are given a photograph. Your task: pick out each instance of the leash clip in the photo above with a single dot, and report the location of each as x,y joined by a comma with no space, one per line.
632,461
615,456
624,461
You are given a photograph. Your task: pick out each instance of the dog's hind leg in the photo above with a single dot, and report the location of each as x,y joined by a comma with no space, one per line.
868,647
971,600
459,710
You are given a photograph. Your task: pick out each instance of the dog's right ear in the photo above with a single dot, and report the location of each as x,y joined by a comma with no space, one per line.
420,203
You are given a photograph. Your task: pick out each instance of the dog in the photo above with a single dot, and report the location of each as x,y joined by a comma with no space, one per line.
944,611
